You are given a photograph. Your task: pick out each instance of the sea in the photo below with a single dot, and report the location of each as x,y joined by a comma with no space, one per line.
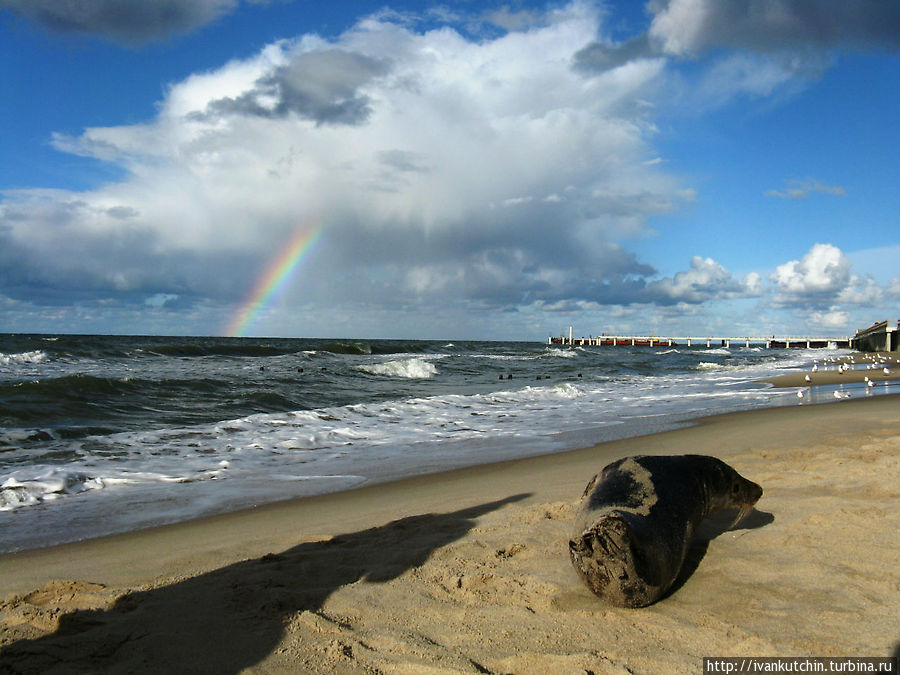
107,434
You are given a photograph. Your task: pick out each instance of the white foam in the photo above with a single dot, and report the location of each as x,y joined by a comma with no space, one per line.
47,485
409,368
563,353
36,356
710,365
239,461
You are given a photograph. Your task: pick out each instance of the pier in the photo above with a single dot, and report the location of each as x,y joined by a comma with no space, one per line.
708,341
880,337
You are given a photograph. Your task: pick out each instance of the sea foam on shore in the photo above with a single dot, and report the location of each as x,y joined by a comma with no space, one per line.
468,571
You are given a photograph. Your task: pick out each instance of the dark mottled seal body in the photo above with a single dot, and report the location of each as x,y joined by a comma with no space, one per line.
638,516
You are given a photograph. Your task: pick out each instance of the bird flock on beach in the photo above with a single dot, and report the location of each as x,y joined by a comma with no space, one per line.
878,364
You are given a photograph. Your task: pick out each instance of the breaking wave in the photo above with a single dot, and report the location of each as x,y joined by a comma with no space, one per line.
415,369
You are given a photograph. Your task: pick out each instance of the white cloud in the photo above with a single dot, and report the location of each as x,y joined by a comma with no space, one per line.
756,75
506,172
399,144
861,291
823,278
830,319
893,288
801,189
705,280
822,271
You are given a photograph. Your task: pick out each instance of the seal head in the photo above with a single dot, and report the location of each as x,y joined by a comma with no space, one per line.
638,516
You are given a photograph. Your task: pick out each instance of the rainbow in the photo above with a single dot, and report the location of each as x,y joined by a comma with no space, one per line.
273,281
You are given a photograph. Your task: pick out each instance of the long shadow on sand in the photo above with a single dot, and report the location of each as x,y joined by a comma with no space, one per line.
712,527
233,617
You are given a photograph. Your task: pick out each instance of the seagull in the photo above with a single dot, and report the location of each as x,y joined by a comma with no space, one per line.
815,367
808,378
871,383
799,393
886,371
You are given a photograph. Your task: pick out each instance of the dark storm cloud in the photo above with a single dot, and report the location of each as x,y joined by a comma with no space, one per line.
122,21
688,28
680,26
56,261
598,57
320,85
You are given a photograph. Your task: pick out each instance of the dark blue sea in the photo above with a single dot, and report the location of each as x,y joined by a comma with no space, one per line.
103,434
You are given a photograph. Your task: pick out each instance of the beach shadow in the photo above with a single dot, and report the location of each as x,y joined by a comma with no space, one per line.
712,527
232,618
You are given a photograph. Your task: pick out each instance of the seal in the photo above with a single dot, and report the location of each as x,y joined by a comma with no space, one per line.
637,518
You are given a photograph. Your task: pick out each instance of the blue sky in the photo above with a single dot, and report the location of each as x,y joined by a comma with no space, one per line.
496,170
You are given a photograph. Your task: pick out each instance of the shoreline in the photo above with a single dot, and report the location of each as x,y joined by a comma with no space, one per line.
195,529
437,572
855,375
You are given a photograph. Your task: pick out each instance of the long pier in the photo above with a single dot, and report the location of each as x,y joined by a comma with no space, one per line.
805,342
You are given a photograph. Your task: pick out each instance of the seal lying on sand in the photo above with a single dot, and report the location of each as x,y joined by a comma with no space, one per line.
638,516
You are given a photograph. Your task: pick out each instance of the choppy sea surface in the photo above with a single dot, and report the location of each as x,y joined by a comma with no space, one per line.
104,434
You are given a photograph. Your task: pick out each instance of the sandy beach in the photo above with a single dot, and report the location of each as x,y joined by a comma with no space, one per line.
861,368
467,571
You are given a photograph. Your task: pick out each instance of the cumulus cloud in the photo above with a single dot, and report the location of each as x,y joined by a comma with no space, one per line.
893,287
822,271
321,85
823,278
504,173
705,280
122,21
832,318
437,167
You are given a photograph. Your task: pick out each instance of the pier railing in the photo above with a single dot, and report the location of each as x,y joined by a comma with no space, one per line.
773,342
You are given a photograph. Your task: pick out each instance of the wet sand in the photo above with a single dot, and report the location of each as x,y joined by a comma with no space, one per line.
468,571
859,368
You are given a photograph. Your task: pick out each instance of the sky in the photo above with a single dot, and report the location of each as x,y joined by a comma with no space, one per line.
464,170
